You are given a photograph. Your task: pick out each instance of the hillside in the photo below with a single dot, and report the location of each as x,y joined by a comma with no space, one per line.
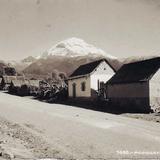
22,64
62,64
139,58
66,56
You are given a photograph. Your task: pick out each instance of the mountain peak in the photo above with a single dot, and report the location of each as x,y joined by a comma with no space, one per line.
73,41
74,47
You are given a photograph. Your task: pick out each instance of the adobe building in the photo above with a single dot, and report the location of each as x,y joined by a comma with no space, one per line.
136,86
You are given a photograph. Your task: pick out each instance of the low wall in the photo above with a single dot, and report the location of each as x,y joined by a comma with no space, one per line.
131,104
83,102
113,105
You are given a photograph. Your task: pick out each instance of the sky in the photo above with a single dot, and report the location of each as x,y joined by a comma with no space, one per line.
122,28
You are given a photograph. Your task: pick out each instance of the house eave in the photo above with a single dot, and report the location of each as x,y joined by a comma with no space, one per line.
77,77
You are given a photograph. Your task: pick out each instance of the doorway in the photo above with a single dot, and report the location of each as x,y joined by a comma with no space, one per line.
74,90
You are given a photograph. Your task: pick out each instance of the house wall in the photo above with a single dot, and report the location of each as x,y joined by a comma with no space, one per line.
154,87
102,73
131,96
79,92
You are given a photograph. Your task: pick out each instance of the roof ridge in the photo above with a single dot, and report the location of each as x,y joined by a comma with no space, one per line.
87,68
144,60
92,62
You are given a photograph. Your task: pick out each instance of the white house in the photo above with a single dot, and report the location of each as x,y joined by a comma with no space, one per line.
136,86
85,81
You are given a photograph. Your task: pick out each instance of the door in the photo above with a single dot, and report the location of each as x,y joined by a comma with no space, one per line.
74,90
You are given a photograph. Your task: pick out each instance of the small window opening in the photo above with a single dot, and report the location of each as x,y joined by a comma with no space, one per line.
83,86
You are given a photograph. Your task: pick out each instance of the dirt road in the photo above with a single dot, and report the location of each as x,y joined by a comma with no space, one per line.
32,129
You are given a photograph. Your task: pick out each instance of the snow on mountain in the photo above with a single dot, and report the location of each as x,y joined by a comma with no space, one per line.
66,56
74,47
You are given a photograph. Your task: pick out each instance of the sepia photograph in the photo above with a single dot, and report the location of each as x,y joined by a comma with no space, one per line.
79,79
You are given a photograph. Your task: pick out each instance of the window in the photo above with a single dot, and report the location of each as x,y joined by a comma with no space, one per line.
83,86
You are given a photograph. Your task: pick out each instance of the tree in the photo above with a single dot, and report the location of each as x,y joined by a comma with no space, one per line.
63,75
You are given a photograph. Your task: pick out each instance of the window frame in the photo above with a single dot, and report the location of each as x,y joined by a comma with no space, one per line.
83,86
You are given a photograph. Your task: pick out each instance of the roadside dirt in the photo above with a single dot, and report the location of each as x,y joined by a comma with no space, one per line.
155,117
16,142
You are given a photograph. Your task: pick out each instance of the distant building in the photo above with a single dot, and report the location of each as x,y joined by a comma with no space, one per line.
8,74
85,81
6,81
136,86
24,87
17,89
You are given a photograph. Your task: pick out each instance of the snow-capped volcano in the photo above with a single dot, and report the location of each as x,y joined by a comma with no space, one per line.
74,47
66,56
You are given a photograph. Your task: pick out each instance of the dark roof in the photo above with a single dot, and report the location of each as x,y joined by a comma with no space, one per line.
88,68
136,72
